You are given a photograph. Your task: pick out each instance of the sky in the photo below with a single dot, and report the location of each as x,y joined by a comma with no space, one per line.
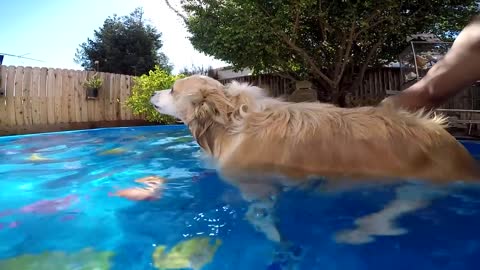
52,30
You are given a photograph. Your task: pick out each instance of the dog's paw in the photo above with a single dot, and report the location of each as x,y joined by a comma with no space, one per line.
260,215
269,230
379,225
367,231
353,237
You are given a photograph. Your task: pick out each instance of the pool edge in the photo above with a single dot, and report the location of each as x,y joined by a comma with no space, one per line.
144,127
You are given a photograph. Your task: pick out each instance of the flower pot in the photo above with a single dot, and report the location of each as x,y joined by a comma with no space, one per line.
92,93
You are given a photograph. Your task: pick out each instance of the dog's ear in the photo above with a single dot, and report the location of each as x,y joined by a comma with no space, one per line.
212,104
239,112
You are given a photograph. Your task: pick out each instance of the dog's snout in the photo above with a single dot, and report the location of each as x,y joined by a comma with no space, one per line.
152,100
163,102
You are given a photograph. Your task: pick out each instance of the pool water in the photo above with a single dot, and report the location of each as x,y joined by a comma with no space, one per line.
57,212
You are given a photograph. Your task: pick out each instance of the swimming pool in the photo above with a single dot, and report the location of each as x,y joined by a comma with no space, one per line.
57,212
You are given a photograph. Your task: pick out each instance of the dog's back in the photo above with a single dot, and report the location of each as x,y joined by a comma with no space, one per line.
301,139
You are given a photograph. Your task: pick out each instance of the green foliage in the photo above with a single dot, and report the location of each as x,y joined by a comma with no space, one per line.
196,70
330,42
124,45
94,82
142,90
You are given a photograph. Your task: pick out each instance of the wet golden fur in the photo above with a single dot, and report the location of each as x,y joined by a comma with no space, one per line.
246,131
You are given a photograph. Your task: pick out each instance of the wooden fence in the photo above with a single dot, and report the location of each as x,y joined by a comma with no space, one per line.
275,85
375,83
43,99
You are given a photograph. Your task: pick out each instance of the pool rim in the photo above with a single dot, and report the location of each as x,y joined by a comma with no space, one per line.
146,127
150,127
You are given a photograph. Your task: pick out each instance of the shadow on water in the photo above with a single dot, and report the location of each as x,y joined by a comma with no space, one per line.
215,210
436,236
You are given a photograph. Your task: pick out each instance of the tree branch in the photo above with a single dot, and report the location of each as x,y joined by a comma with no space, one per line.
321,21
284,69
316,70
340,52
283,74
384,19
369,27
372,17
185,20
297,20
323,29
346,56
364,67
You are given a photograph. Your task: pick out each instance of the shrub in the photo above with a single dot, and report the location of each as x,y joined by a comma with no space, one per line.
142,90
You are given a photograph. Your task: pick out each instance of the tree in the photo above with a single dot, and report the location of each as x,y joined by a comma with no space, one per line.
196,70
330,42
125,45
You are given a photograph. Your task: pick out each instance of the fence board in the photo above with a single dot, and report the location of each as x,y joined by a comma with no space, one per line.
117,81
70,93
51,83
85,102
18,96
81,97
378,83
108,91
42,97
75,107
110,106
123,97
90,103
64,104
10,97
3,97
27,92
100,102
76,89
58,95
35,96
126,92
117,113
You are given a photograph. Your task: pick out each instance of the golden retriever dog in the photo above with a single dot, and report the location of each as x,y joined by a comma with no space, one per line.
259,142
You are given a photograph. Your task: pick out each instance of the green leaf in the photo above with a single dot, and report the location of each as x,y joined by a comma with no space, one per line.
142,90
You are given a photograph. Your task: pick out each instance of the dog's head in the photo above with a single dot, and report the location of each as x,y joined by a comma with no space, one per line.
204,99
194,97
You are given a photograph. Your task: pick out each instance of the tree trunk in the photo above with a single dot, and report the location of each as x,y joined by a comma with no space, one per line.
328,94
323,90
340,99
336,95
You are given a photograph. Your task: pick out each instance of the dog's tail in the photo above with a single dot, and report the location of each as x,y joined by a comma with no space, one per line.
429,117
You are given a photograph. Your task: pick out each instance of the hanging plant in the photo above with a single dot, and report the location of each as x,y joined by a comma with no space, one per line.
93,85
